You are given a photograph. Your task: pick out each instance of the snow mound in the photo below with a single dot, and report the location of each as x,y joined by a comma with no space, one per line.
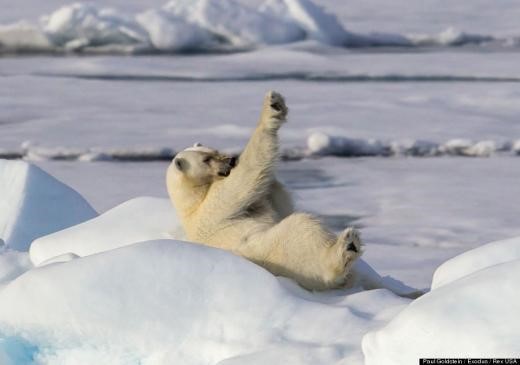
139,219
450,37
34,204
473,313
235,23
170,33
477,259
323,144
195,305
23,36
317,24
79,25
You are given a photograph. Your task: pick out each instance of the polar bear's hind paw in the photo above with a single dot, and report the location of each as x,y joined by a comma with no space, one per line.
352,241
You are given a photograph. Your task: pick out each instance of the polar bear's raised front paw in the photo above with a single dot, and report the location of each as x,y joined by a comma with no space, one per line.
275,110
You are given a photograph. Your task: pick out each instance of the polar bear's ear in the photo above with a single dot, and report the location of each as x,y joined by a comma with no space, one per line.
198,144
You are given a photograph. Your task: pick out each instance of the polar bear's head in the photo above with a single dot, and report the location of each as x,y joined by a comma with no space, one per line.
202,165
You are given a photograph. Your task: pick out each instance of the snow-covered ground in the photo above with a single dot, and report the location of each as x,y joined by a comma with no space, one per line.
120,289
414,87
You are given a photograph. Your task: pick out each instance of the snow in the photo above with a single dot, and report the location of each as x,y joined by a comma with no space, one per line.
204,25
12,264
322,144
480,258
80,25
170,33
139,219
417,211
316,23
472,316
202,315
450,37
33,204
384,84
23,36
195,304
516,147
31,152
239,25
52,111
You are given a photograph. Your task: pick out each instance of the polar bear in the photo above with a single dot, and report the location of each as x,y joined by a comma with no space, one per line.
244,209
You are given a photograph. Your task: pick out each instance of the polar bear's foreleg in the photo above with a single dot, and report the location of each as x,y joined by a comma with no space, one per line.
281,200
253,177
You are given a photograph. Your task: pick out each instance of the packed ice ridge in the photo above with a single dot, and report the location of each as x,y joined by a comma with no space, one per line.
203,26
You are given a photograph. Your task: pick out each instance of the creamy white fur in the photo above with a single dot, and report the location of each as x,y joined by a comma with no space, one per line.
247,211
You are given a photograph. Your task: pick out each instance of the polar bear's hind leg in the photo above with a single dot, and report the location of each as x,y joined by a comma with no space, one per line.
347,249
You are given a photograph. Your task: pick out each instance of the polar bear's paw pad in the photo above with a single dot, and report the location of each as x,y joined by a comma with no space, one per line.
274,106
352,239
352,244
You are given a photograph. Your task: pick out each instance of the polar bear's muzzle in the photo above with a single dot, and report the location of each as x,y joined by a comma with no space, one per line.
228,164
224,173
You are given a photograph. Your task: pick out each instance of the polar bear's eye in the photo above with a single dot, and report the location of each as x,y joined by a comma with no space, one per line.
207,159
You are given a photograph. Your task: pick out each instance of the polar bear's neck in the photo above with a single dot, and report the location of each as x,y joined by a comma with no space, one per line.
189,198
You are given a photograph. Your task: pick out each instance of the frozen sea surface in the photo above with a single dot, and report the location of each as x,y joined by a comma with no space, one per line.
71,112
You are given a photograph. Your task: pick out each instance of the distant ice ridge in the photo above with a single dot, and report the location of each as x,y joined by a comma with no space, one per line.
318,145
203,26
321,144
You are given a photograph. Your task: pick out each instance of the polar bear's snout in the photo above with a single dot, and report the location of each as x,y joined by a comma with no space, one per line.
224,172
227,166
